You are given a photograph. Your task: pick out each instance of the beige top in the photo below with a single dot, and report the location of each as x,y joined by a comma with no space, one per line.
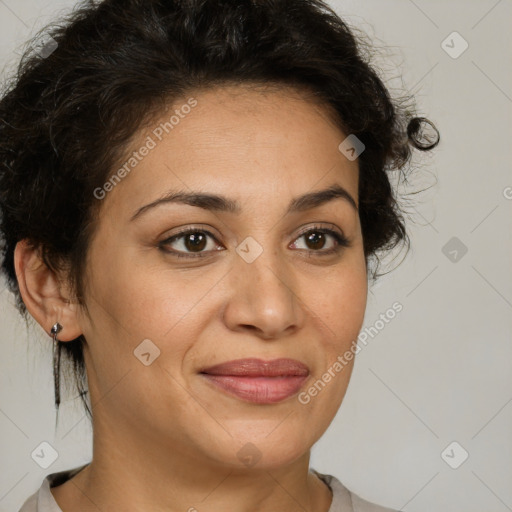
342,501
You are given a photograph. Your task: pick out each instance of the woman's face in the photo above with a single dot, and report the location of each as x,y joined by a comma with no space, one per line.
267,283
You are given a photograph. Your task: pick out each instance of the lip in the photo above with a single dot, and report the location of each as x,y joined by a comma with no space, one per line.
258,381
254,367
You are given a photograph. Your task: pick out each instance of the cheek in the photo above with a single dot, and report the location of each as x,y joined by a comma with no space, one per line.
339,310
339,302
146,300
129,304
351,306
339,306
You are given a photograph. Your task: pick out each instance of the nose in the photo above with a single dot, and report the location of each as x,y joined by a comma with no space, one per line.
263,299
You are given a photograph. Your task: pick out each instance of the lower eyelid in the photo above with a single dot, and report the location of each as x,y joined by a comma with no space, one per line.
179,236
341,242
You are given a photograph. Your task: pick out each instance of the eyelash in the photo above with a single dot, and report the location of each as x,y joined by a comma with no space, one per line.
341,240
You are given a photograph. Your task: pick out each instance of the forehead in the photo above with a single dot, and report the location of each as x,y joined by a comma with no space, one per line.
241,141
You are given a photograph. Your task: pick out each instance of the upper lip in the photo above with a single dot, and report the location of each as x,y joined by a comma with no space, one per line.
253,367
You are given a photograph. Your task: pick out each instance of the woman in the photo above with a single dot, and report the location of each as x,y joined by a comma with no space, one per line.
194,195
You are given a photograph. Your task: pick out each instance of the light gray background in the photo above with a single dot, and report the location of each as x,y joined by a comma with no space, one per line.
440,371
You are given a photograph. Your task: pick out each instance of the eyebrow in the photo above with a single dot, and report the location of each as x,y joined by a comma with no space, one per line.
213,202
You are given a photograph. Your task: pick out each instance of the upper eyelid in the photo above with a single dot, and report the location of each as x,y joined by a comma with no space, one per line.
302,232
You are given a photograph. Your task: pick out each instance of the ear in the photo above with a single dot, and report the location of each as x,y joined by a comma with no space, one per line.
45,296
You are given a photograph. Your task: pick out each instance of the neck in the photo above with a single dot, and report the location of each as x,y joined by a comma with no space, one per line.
131,473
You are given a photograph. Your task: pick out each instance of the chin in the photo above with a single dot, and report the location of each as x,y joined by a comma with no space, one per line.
262,452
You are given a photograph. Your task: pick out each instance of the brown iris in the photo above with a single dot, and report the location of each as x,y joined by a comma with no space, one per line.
317,239
195,241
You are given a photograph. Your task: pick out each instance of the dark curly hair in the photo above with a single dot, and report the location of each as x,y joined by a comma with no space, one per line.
70,112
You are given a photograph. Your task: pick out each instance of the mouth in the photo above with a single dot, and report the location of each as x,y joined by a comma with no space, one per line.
257,381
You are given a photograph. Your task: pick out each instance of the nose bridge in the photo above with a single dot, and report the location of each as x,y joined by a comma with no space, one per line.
267,277
263,296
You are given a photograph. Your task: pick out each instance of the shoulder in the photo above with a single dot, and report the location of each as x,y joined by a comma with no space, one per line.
42,500
345,500
30,504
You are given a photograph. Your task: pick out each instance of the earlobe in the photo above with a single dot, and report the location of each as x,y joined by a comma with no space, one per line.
43,294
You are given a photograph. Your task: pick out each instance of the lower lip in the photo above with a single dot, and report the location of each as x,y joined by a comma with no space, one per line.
259,390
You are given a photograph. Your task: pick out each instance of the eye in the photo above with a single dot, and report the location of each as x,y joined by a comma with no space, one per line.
193,242
317,237
191,239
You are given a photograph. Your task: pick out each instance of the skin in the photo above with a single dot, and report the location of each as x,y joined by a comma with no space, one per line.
164,438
